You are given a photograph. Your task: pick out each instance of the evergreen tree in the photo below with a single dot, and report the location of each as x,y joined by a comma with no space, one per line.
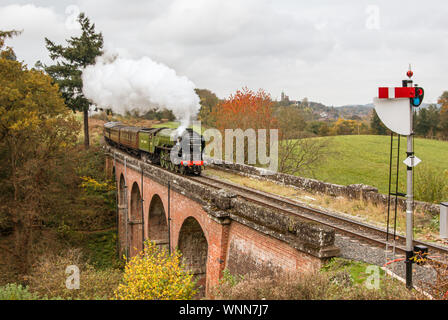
443,124
433,120
208,102
70,61
422,125
376,125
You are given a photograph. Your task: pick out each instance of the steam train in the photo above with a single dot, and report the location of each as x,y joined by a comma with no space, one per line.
162,146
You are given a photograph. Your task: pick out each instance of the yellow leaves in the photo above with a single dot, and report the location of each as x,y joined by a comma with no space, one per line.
90,185
27,97
154,274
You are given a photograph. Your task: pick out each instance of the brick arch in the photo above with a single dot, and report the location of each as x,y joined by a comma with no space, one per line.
193,245
122,214
122,190
231,243
157,223
135,216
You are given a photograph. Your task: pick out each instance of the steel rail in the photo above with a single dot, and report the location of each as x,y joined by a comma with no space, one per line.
343,224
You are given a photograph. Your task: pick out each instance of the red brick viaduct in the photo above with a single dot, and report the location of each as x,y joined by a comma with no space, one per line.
214,230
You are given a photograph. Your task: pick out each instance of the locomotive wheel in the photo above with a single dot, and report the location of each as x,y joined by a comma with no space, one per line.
182,169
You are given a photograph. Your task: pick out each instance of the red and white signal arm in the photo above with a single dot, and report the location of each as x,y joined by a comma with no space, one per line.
393,108
396,93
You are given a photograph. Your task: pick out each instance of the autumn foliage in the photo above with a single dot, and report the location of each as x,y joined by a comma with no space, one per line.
245,109
154,274
37,132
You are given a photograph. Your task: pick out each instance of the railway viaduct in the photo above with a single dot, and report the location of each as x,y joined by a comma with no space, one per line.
214,229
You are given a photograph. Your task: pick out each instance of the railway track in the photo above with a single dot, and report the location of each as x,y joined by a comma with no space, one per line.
343,225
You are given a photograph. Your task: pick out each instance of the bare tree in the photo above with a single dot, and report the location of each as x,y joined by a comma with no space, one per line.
298,151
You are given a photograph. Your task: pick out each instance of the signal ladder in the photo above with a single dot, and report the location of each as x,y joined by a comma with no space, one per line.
392,198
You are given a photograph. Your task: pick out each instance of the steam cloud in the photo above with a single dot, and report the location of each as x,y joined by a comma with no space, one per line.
125,84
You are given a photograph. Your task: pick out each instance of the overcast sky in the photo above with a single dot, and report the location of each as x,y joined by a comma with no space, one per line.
334,52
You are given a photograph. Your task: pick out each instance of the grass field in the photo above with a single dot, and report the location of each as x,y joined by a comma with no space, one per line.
169,124
365,159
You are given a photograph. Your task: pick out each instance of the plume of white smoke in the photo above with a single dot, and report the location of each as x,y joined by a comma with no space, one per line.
123,84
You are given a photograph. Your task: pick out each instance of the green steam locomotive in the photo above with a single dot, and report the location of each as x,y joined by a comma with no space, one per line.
162,146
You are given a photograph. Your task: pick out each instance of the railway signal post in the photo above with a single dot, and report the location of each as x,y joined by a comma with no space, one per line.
394,108
409,197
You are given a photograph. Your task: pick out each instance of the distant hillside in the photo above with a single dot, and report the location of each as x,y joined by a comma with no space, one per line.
351,111
355,111
344,112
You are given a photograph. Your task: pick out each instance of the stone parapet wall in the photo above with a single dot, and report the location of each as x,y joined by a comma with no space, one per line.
353,191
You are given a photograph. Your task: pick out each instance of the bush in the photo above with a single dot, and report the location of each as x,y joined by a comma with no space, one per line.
280,287
14,291
430,185
317,285
153,274
48,277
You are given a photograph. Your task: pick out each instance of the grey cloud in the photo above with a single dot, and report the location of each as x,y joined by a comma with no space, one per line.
320,49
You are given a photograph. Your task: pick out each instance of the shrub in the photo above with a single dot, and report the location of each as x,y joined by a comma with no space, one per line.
279,287
48,277
153,274
430,185
14,291
317,285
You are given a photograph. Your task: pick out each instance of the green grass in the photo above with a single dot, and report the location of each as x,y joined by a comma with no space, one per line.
365,159
357,270
101,249
169,124
174,125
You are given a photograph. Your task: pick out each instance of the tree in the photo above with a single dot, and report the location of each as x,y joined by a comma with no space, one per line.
433,120
443,100
422,124
70,61
291,119
324,130
305,103
245,109
343,127
209,101
298,152
36,132
376,124
313,127
7,52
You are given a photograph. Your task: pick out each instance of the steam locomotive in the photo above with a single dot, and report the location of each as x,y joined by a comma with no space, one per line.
177,152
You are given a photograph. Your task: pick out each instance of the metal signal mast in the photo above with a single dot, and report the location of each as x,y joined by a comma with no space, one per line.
394,108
